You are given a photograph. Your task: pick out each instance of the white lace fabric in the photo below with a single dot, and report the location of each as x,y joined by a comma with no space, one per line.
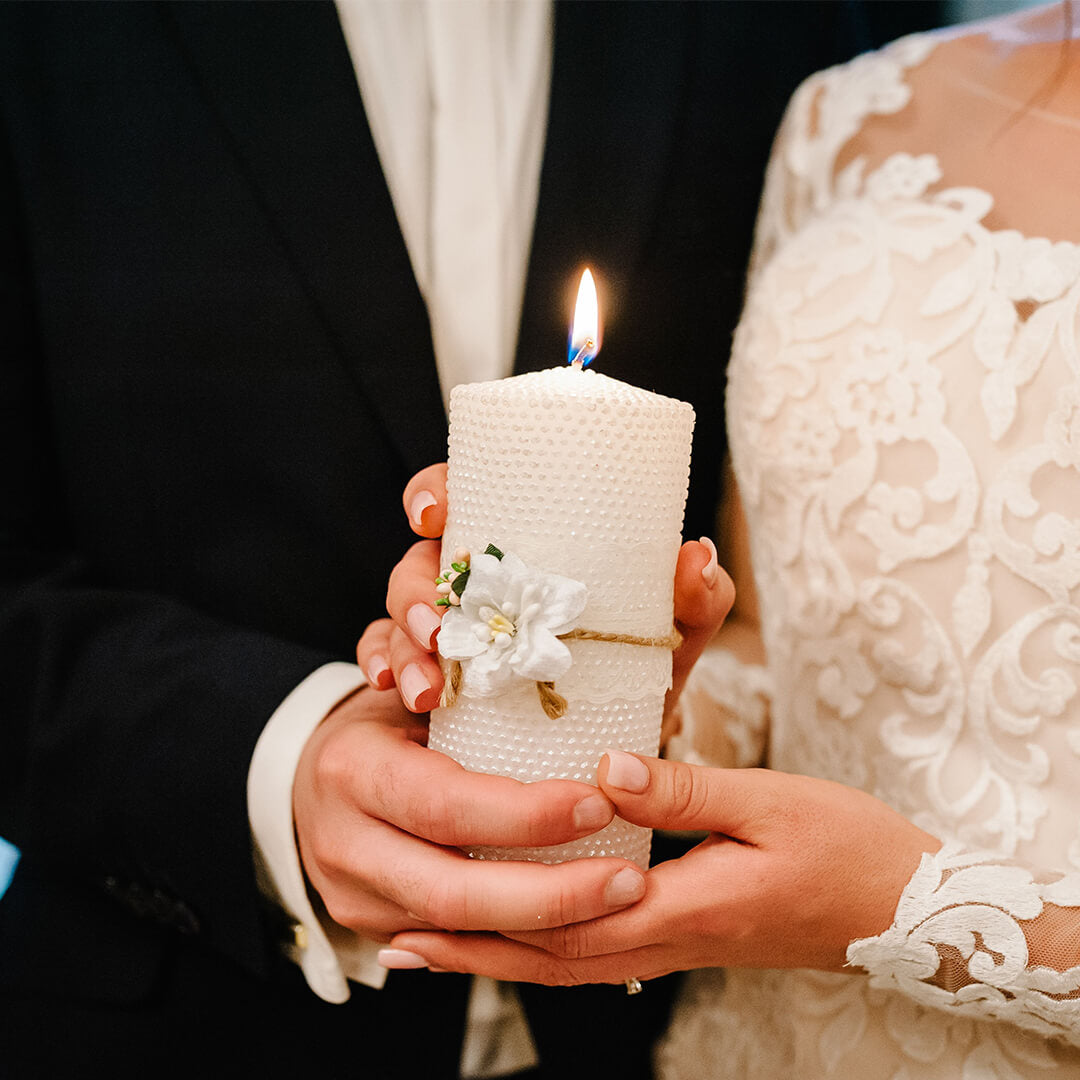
966,938
904,412
723,712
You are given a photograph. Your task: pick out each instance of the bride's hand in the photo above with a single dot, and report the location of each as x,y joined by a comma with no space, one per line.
399,651
793,870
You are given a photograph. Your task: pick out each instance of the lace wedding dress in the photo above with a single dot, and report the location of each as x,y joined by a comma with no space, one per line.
904,411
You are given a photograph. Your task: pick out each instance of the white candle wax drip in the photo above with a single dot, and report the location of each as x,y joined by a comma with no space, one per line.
580,475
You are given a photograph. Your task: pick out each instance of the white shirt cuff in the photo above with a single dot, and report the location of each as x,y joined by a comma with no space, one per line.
326,963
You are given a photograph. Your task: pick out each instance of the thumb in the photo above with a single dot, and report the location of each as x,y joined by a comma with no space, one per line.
703,596
674,795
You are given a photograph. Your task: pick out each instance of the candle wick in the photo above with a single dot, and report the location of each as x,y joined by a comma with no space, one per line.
579,358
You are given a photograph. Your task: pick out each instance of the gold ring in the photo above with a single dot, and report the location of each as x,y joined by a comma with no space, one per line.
633,986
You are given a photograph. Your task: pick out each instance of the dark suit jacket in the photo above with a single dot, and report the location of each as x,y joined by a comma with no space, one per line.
216,375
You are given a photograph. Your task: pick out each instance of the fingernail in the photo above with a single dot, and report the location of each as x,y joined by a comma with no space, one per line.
420,502
624,888
710,572
627,772
402,959
423,622
592,813
376,669
412,684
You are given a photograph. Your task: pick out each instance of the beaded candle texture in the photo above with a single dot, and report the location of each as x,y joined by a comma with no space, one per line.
579,475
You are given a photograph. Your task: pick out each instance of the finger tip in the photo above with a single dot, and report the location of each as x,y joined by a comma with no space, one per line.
415,688
627,886
593,813
397,959
694,569
424,624
625,774
419,509
708,562
704,592
379,675
427,700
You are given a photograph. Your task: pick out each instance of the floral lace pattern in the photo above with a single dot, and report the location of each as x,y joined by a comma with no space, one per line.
970,903
739,692
904,411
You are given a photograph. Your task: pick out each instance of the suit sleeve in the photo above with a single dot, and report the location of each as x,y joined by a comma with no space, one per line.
129,718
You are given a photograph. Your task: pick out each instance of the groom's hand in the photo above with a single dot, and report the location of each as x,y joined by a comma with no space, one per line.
379,818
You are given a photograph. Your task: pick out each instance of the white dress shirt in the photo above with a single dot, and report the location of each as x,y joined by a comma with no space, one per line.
456,96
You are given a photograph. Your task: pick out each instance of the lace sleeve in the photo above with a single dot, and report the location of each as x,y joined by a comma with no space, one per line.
984,937
724,711
784,190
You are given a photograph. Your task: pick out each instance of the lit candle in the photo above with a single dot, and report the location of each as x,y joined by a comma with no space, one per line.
580,481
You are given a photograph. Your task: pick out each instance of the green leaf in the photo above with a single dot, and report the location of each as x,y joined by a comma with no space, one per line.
491,549
459,583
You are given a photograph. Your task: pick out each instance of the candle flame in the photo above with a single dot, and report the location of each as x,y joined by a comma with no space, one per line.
585,334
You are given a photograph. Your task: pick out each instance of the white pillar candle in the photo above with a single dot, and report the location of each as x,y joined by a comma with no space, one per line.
583,476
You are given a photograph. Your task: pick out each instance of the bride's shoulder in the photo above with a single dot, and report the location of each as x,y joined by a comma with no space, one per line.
883,80
981,74
825,118
944,94
904,78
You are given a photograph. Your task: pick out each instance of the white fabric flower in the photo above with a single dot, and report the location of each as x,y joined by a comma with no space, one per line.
508,623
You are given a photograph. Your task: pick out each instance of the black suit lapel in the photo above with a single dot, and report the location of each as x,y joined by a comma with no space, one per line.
616,85
280,80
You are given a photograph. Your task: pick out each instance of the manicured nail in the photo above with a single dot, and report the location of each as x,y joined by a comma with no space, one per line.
592,813
625,887
423,622
377,667
420,502
402,959
710,572
412,684
627,772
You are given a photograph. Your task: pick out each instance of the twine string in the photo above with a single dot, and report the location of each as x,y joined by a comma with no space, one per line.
669,641
551,701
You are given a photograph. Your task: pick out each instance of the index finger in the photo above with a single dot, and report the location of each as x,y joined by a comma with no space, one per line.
682,895
429,795
425,501
703,597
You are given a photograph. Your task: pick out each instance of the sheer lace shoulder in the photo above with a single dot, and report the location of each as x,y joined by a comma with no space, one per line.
904,413
824,114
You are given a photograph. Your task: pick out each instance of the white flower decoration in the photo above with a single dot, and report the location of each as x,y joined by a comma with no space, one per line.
507,624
